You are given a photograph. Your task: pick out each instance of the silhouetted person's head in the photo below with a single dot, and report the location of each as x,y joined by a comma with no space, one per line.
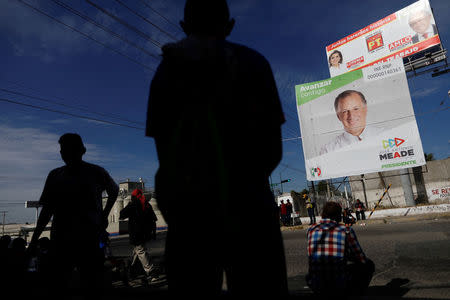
18,245
207,18
5,240
72,148
332,210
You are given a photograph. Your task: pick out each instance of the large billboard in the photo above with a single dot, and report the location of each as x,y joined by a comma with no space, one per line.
401,34
358,122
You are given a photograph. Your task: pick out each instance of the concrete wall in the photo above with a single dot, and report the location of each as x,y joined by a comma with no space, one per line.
435,184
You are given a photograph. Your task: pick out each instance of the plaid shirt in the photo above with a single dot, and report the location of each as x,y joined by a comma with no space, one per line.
330,246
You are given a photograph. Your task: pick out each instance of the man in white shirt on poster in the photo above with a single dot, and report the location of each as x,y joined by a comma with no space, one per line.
420,22
351,110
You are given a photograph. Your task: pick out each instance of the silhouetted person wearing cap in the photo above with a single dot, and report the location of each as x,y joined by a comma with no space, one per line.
72,195
216,116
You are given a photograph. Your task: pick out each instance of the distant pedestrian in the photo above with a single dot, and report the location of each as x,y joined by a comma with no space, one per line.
310,208
360,210
215,114
17,263
5,251
72,196
347,217
141,221
283,212
289,211
331,246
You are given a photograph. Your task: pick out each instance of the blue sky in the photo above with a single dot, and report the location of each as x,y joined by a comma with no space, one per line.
45,59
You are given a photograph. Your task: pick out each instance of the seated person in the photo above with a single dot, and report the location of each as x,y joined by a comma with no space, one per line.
337,264
347,217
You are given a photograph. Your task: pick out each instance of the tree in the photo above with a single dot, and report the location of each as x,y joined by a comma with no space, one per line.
322,187
429,156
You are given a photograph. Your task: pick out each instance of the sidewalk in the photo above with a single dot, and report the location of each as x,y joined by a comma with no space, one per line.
392,215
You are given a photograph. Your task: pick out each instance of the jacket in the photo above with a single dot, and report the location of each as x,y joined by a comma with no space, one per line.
141,223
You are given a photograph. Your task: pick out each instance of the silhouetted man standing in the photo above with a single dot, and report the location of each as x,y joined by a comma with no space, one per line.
215,114
72,195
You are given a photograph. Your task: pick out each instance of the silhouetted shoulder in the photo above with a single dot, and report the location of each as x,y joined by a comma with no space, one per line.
56,172
253,56
94,168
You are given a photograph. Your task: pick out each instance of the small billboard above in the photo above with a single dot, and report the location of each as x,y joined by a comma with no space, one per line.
399,35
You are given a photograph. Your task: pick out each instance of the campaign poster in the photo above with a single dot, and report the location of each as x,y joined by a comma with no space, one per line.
401,34
359,122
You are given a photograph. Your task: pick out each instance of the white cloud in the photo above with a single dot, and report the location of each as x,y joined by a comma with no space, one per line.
26,157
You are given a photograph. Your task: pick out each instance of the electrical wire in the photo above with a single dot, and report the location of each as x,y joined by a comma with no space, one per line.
66,105
293,169
130,27
81,108
292,139
159,14
92,21
146,20
69,114
86,35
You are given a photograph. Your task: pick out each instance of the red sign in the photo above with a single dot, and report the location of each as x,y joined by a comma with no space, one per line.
354,62
374,42
363,31
407,51
400,42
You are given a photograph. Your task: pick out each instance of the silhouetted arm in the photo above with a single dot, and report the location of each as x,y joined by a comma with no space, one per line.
47,210
44,218
125,212
112,189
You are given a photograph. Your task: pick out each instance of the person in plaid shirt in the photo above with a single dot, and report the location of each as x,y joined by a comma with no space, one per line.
337,263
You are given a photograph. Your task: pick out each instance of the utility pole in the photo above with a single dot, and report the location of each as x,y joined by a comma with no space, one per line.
328,189
281,183
407,188
142,184
363,181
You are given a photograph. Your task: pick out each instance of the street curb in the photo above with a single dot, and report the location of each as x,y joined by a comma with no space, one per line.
382,220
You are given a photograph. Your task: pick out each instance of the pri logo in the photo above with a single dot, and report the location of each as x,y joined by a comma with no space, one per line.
316,171
374,42
390,143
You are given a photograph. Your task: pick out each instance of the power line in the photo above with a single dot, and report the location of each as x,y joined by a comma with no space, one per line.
85,117
90,20
159,14
146,20
69,114
292,139
130,27
86,35
81,108
65,105
293,169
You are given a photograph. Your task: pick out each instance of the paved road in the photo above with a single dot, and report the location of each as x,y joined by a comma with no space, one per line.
416,251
